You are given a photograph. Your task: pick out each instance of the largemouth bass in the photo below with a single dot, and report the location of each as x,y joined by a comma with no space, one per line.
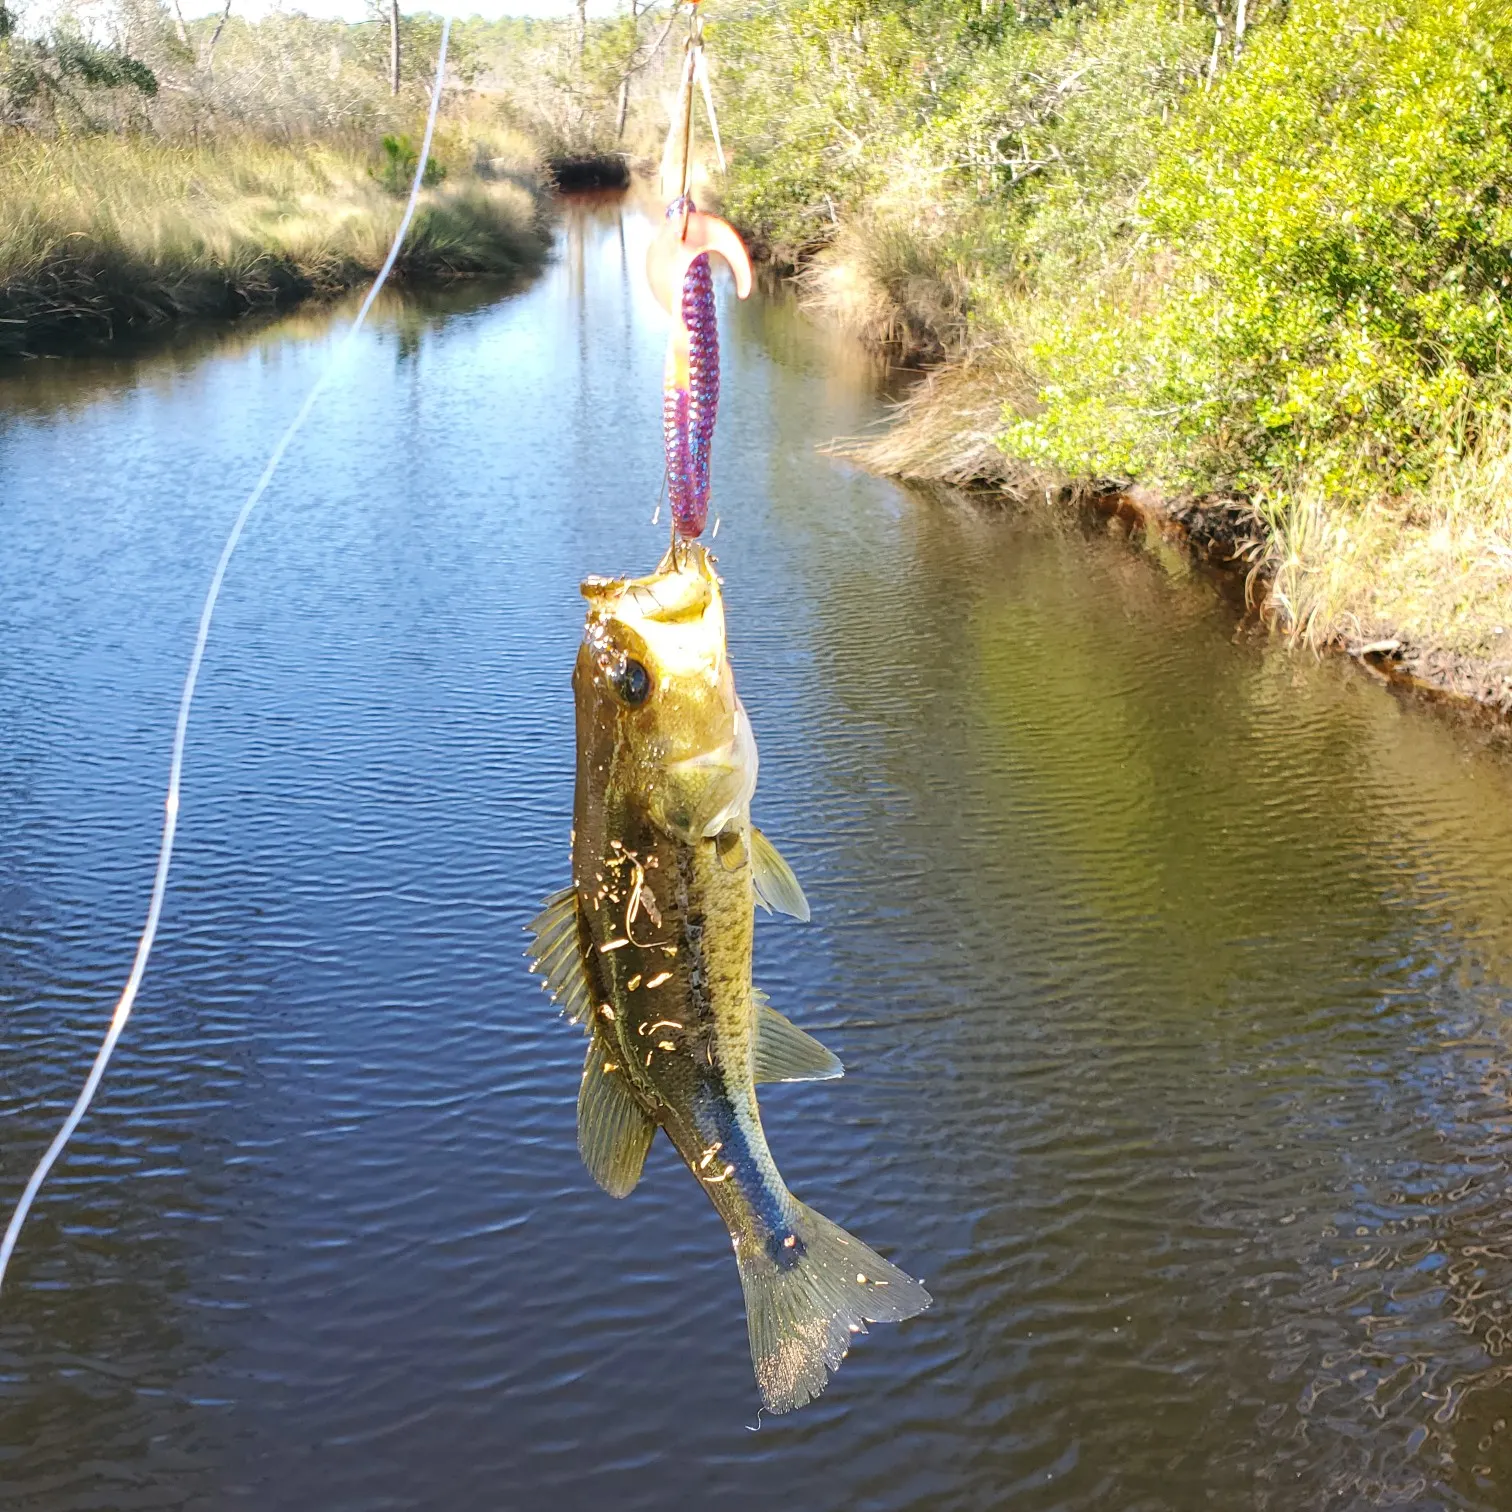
649,951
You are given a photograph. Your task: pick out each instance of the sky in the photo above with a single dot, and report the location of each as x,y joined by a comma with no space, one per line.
357,10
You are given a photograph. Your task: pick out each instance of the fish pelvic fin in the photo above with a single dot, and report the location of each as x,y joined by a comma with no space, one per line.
614,1131
557,956
786,1053
807,1294
776,886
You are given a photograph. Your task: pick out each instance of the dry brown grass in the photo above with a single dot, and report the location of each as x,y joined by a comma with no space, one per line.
880,284
944,429
891,275
1433,569
100,234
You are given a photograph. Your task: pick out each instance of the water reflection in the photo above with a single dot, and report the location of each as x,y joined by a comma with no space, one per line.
1171,972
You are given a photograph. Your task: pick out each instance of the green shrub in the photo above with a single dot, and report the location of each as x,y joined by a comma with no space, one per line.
1012,141
813,95
1053,131
1324,287
396,170
62,79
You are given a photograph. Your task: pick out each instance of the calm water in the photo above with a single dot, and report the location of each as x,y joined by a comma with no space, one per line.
1172,974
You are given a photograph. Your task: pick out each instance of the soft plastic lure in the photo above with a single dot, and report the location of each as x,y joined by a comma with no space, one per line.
678,268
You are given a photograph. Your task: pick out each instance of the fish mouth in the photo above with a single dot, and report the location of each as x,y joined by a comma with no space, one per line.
668,625
680,590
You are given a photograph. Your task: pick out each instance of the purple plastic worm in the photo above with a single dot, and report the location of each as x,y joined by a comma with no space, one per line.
688,413
679,463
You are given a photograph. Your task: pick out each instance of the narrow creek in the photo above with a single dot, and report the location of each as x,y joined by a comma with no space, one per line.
1173,973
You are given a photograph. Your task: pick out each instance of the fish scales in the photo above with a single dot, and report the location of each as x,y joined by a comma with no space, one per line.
650,951
700,1091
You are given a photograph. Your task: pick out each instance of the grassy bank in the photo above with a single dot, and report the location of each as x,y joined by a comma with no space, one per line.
155,167
1253,253
105,234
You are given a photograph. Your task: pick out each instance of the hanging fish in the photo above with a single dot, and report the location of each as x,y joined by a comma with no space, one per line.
649,951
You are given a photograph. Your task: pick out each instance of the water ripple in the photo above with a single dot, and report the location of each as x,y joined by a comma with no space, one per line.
1171,973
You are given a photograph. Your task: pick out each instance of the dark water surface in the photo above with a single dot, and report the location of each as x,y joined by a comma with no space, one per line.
1172,973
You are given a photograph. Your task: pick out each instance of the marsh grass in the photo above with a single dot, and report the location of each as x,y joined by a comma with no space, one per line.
103,234
1430,569
945,429
892,272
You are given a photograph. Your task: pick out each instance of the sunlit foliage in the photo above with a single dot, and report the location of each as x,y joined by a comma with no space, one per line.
1328,261
1275,265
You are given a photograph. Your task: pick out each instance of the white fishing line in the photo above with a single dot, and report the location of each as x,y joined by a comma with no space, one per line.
186,699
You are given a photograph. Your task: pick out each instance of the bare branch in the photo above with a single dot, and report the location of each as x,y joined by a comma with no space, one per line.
208,61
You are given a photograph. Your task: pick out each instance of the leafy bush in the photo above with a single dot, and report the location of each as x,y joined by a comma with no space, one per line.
1011,142
1329,266
64,78
396,171
814,95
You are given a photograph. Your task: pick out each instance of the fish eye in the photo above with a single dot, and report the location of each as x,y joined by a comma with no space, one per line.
632,682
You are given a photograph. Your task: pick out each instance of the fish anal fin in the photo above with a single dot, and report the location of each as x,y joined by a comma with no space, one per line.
614,1131
557,956
776,886
784,1052
807,1294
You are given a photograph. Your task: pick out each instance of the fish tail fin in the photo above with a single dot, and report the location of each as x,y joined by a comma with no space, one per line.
806,1294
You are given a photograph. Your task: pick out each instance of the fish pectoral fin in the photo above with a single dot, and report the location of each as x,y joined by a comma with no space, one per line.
558,956
776,886
784,1052
614,1131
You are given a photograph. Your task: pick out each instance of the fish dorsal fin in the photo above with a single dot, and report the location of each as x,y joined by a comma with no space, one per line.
784,1052
776,886
558,956
614,1131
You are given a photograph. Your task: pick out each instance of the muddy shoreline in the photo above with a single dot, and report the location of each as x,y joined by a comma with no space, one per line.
941,431
1222,535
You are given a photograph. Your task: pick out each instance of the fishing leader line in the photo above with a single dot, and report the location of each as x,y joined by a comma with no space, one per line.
181,730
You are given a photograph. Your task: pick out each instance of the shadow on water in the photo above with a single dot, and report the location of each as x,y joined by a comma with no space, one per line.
44,385
1171,972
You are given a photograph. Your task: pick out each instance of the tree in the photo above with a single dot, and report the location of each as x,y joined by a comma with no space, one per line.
207,61
206,58
624,88
58,77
